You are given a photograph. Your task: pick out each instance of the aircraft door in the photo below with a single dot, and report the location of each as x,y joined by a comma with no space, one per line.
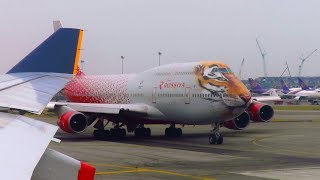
187,95
154,95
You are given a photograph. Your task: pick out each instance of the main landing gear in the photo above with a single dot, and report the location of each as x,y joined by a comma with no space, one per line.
172,131
101,133
215,137
141,131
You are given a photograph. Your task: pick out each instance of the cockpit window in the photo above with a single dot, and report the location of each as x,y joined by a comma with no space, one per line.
221,70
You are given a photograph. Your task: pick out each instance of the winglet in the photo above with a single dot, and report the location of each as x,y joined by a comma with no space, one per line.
59,53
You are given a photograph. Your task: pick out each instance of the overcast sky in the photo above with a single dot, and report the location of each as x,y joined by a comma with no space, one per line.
183,30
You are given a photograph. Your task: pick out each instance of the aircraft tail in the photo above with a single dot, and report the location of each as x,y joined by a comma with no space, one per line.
254,84
79,72
302,84
59,53
284,86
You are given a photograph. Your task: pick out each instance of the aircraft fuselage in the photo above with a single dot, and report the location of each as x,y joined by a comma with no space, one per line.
187,93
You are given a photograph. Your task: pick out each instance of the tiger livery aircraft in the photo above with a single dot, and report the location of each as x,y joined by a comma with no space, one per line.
28,87
197,93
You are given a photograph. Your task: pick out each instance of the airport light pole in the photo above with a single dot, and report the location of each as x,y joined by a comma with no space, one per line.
122,58
159,53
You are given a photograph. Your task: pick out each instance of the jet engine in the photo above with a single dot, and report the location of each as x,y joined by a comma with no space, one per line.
260,112
239,122
70,120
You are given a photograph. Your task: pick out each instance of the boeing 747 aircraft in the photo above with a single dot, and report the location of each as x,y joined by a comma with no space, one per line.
196,93
28,87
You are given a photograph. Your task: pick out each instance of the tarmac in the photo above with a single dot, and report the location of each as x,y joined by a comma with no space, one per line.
286,148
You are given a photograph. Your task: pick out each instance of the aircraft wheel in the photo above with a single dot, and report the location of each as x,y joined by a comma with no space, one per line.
113,132
216,138
147,132
212,139
179,132
100,134
170,132
122,132
138,132
117,132
220,139
166,132
173,132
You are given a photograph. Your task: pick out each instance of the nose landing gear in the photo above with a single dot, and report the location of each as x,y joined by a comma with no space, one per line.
215,137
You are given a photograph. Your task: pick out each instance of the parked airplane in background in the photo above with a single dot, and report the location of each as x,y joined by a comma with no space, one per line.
303,85
196,93
256,88
285,87
287,90
28,87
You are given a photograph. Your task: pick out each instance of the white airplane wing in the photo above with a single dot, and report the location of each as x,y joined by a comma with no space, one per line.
28,87
30,91
54,165
133,109
23,140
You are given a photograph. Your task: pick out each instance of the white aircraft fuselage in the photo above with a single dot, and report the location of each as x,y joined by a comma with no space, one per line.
188,93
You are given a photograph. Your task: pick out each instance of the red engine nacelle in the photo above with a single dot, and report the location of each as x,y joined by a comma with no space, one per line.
260,112
70,120
239,122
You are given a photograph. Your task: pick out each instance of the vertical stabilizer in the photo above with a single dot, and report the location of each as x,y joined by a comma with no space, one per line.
302,84
254,84
59,53
284,86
